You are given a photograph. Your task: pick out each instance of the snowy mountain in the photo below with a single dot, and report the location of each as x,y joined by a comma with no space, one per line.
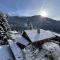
20,23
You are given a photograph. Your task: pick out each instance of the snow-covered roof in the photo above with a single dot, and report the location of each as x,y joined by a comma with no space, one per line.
34,36
16,50
13,32
5,53
22,40
57,34
14,36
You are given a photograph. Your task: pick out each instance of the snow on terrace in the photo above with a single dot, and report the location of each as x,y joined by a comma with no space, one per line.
34,36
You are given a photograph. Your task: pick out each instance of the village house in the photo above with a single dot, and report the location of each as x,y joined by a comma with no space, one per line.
38,37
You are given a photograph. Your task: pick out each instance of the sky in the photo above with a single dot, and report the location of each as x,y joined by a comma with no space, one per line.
31,7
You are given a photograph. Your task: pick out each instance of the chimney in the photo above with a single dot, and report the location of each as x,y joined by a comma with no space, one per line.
38,30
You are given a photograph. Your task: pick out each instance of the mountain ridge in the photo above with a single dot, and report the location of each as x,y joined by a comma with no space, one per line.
46,23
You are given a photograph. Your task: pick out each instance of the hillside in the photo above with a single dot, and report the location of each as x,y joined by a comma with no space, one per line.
19,23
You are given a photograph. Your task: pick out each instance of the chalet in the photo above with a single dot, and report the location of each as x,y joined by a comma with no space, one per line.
18,39
38,37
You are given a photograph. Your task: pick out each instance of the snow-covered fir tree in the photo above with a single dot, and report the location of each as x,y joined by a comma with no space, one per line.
4,27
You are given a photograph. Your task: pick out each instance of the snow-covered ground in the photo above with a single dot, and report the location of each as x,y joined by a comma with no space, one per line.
17,52
49,51
5,53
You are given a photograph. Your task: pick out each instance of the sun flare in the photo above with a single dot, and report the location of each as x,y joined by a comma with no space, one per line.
43,13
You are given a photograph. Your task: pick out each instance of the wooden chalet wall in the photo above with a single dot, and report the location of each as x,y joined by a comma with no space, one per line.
38,44
26,36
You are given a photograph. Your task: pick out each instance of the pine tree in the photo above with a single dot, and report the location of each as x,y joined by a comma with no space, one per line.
4,27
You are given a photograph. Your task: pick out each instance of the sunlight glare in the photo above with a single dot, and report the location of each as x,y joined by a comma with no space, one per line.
44,13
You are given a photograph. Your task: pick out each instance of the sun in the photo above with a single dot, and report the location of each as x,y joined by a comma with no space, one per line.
43,13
